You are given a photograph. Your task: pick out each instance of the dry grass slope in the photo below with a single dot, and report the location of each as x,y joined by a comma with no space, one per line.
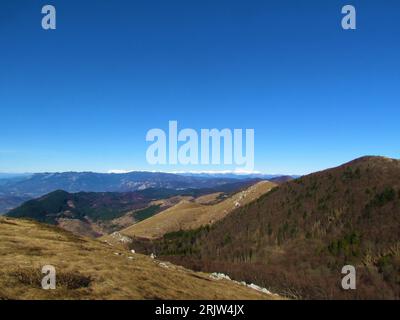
90,269
188,215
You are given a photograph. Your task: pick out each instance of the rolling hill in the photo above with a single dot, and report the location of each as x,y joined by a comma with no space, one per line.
15,189
295,239
42,183
90,269
194,213
96,213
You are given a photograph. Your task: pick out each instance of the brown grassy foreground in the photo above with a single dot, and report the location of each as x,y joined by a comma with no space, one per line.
188,215
90,269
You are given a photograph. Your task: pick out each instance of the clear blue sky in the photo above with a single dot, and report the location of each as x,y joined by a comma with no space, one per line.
83,97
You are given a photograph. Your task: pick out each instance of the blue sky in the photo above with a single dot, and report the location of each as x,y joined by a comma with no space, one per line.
83,97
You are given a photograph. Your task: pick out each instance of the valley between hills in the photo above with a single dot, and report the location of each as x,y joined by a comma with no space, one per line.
169,237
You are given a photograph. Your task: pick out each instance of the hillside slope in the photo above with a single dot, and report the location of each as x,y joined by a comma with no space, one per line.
195,213
97,213
89,269
296,239
8,202
86,213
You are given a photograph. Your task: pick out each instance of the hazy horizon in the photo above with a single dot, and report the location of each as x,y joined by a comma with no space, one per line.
205,172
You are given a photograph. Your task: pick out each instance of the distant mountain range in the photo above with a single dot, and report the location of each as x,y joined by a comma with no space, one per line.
42,183
15,189
8,177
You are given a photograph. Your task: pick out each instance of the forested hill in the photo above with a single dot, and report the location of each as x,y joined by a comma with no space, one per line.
296,239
